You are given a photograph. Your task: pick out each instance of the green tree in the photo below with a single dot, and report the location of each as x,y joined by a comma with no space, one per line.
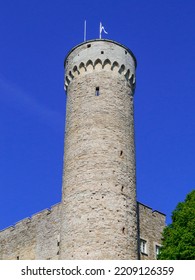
178,241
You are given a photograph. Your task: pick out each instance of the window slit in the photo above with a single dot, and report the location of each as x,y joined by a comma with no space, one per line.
97,91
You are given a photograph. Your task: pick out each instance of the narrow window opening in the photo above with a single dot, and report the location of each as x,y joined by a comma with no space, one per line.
125,52
97,91
102,52
58,253
123,229
121,153
58,243
122,188
18,258
89,45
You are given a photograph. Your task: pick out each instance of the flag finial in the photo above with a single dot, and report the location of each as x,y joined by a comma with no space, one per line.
102,29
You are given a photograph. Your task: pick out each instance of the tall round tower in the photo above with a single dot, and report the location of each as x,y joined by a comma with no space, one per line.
99,219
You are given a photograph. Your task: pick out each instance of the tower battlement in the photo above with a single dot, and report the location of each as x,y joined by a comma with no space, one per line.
97,55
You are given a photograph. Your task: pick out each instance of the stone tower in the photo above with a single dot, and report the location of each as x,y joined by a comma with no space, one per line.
99,217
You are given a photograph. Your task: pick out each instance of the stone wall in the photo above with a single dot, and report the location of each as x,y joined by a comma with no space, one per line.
33,238
38,237
150,224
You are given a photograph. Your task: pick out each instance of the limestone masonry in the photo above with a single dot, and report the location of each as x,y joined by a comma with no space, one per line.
99,216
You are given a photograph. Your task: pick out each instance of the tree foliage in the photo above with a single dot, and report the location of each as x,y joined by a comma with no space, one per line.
178,241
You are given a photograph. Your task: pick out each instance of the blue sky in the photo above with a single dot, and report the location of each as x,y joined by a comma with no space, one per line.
35,37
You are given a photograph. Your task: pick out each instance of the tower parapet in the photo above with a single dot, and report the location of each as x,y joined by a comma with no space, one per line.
99,55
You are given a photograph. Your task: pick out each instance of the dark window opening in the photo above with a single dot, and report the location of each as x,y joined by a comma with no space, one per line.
102,52
125,52
89,45
58,243
123,230
97,91
121,153
122,188
18,258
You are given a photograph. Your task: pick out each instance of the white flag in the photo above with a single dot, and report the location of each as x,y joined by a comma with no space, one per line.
102,29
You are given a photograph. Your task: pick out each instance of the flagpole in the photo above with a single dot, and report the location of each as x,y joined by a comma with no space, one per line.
85,30
100,30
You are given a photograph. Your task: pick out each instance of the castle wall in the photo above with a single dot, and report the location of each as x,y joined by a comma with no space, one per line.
39,237
150,226
34,239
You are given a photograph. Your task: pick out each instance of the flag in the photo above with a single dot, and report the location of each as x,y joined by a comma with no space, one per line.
102,29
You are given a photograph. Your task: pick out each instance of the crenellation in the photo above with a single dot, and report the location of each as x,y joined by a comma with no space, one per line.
34,217
22,224
32,238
